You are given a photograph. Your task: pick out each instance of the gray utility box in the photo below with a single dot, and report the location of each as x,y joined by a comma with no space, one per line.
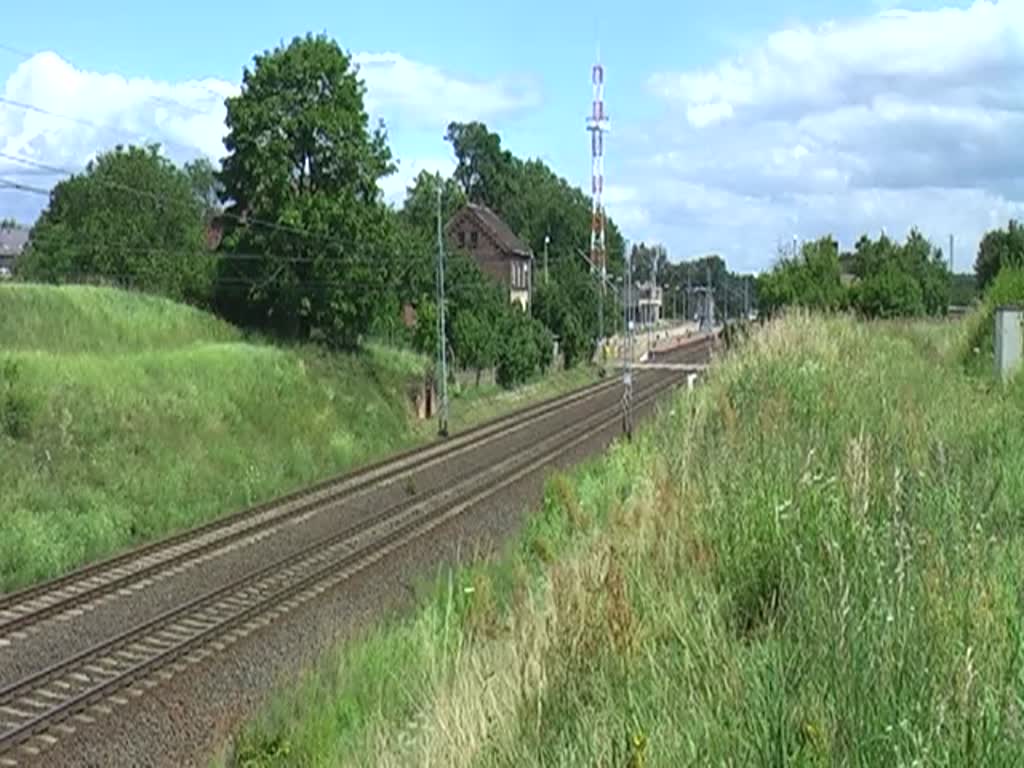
1009,337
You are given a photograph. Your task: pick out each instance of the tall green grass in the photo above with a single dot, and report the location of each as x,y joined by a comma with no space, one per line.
125,417
89,319
815,559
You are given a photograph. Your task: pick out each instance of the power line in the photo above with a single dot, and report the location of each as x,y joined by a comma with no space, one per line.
241,282
16,51
11,184
402,266
28,55
241,219
25,106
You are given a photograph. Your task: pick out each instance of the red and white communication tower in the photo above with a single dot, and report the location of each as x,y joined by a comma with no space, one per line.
598,126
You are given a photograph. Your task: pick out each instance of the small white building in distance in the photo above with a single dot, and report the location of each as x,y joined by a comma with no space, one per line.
645,304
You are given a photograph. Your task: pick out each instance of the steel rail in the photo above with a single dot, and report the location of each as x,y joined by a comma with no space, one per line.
33,605
179,632
88,584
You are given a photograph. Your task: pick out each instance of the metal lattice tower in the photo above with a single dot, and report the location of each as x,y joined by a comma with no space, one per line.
598,126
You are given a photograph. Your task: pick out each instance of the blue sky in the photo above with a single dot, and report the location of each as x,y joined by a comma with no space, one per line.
736,124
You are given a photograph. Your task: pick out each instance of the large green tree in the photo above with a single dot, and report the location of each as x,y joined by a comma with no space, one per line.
999,248
567,304
532,199
648,261
302,175
896,279
130,218
417,220
485,171
419,211
810,279
205,186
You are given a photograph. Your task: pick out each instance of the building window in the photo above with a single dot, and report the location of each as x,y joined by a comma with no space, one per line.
462,239
473,238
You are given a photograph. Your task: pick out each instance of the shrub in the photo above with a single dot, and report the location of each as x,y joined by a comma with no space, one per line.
519,355
1007,288
16,407
889,293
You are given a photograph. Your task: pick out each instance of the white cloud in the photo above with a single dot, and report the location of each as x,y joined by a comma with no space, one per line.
896,119
400,87
93,111
105,109
627,209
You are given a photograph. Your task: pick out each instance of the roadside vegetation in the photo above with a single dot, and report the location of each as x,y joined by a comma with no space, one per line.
814,559
124,417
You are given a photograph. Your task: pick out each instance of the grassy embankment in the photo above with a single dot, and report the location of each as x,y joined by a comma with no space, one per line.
124,417
815,559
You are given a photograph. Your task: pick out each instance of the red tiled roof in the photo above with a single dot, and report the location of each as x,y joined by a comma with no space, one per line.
503,236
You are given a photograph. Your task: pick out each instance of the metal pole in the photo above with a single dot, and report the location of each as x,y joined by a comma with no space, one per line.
951,255
686,298
627,356
650,318
547,239
529,302
725,301
709,298
442,357
746,299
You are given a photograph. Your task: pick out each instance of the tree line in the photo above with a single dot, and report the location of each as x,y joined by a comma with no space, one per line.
289,233
883,278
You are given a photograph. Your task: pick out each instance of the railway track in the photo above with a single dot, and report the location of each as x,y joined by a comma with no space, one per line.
29,607
37,709
24,611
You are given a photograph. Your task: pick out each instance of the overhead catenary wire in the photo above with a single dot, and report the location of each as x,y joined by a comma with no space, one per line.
24,55
405,266
22,187
241,219
28,55
135,135
158,198
410,263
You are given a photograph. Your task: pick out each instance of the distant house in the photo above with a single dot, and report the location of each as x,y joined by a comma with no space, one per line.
497,250
12,242
645,302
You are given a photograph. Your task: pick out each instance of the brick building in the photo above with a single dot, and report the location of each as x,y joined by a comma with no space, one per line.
497,250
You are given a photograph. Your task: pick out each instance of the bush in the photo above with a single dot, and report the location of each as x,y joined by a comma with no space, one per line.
16,407
889,293
545,344
519,354
999,249
1008,288
810,280
103,226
